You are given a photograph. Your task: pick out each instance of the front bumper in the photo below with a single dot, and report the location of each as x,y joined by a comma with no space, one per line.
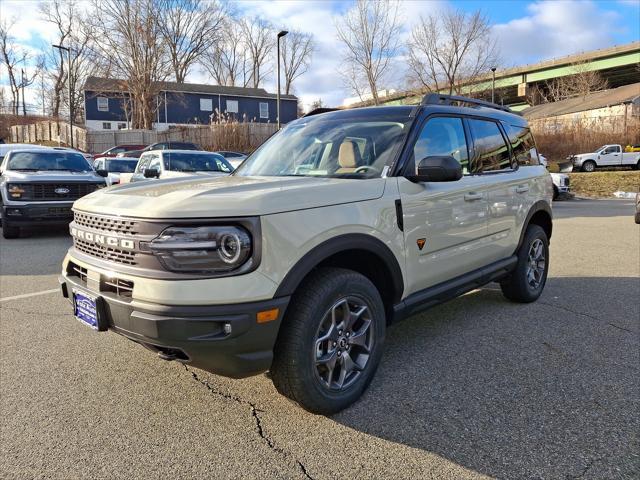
37,213
222,339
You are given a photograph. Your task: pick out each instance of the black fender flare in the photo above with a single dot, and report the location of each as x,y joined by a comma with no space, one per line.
342,243
539,206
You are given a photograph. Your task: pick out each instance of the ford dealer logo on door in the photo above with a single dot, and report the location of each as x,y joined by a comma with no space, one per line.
61,191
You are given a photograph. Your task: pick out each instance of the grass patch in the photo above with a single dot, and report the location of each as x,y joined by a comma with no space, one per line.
603,184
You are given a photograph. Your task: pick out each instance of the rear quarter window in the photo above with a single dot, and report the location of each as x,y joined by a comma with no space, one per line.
522,145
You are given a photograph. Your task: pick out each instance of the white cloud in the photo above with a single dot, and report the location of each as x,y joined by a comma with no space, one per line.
553,29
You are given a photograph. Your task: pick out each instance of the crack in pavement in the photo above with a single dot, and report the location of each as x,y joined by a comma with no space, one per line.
585,470
255,414
592,317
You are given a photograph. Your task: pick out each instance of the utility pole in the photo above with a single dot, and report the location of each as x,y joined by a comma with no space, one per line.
68,50
493,85
280,35
24,107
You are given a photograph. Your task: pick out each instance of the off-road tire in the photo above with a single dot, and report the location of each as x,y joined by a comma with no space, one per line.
556,193
294,369
589,166
516,286
9,231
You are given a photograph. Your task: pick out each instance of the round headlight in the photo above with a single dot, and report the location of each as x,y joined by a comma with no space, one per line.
230,248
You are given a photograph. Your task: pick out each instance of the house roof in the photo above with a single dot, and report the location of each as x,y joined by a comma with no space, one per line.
592,101
107,85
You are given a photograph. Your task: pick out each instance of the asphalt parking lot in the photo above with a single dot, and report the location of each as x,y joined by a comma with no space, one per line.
475,388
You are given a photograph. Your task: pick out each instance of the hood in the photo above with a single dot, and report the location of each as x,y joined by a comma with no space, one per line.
51,176
228,196
176,174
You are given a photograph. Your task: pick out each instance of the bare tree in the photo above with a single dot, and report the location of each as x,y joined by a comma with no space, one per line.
259,40
370,33
13,57
74,31
296,49
226,60
189,28
451,49
129,37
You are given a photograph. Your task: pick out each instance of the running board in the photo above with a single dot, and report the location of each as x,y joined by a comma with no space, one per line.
429,297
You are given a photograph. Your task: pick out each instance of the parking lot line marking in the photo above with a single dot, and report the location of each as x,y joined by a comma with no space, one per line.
27,295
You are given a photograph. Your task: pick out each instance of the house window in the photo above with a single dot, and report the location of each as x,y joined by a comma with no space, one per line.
264,110
103,104
122,126
206,105
232,106
106,125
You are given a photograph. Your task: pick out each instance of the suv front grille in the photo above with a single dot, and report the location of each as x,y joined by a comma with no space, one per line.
110,224
119,286
106,253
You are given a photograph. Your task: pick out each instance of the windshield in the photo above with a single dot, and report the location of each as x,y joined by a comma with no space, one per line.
48,160
196,162
340,148
121,166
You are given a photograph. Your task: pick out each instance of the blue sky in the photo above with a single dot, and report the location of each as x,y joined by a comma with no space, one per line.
526,31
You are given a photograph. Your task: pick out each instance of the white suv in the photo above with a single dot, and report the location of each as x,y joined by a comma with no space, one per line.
336,227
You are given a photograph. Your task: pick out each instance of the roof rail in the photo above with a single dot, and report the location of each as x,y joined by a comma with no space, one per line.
439,99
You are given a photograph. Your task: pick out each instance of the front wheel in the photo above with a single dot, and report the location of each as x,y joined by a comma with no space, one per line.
330,342
589,166
526,282
9,231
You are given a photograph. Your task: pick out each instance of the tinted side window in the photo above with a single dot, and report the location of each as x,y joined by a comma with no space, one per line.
522,145
491,150
443,136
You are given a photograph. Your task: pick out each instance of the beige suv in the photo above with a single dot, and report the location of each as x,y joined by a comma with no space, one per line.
336,227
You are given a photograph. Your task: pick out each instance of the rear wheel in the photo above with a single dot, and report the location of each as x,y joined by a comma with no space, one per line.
331,341
526,282
556,194
589,166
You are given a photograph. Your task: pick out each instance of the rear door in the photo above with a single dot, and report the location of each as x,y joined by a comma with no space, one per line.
445,223
507,188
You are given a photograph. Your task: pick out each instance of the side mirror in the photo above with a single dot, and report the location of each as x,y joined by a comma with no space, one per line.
151,173
437,169
102,173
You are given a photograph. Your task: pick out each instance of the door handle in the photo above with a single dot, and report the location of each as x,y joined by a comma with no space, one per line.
472,197
522,189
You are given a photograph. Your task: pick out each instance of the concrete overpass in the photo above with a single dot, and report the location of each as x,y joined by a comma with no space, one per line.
618,65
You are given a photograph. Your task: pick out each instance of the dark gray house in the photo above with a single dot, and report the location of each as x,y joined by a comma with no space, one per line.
105,102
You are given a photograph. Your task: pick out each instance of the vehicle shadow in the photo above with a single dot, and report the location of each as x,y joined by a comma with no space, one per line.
38,251
544,390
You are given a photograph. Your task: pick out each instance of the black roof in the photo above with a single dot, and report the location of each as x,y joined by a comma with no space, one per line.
408,111
108,85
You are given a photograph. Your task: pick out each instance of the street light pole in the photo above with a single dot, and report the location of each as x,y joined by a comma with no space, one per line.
68,50
493,85
280,35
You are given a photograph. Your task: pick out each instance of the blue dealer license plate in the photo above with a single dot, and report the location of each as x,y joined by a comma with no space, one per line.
84,308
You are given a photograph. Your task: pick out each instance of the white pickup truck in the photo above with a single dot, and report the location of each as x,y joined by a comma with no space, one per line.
605,156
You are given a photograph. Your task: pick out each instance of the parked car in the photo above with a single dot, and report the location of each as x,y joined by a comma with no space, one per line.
113,151
637,217
161,146
337,226
115,167
179,163
560,181
39,185
605,156
234,158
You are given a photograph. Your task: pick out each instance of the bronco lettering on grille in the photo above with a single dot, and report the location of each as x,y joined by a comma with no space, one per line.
104,240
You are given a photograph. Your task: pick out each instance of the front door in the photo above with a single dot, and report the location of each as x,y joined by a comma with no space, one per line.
610,156
445,223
